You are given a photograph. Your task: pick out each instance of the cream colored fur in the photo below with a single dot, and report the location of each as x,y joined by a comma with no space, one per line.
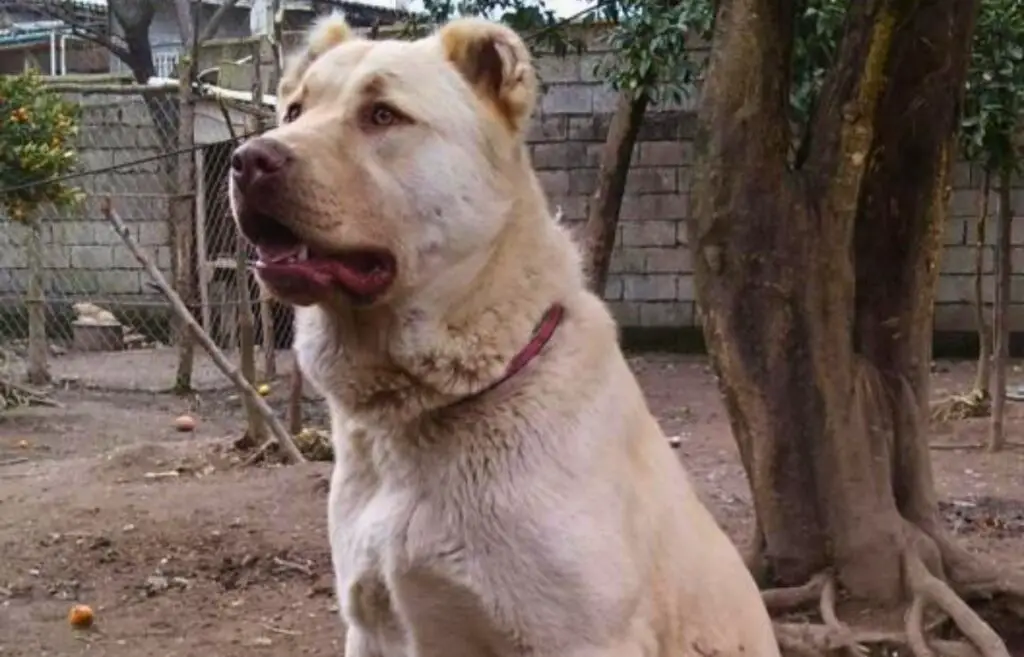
547,517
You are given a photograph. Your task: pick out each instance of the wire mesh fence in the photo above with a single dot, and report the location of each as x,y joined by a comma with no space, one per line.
73,298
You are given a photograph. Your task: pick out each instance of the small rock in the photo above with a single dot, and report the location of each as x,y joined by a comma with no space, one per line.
156,584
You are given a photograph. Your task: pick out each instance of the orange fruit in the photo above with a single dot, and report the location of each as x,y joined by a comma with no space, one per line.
81,616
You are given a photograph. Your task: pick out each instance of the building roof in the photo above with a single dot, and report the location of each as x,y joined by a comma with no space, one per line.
31,32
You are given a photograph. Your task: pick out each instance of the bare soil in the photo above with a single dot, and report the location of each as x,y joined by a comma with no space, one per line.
181,551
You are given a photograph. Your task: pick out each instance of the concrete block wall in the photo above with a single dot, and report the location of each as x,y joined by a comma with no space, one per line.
84,257
651,281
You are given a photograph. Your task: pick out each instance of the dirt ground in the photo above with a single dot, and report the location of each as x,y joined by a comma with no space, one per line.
227,561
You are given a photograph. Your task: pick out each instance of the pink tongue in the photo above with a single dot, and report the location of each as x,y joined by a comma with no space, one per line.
316,273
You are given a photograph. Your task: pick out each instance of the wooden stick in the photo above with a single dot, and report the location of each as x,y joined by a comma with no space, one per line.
278,431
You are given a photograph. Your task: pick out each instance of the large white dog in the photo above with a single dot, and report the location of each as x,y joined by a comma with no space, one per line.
500,488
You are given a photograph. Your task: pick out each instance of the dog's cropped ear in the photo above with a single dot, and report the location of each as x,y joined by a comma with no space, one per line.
496,63
325,33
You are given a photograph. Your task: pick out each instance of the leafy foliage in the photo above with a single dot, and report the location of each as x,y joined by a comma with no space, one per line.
37,129
818,31
994,98
652,45
533,18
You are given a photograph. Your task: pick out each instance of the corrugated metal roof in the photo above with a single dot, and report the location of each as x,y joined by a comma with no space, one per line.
31,32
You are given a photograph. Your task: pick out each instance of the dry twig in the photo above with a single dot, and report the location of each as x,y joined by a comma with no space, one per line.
280,434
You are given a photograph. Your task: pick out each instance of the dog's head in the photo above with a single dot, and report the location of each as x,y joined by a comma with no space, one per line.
393,161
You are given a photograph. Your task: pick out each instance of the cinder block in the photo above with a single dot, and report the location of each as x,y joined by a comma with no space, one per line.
613,288
605,99
568,99
626,313
627,260
667,314
558,155
548,128
956,231
92,257
665,153
582,181
555,183
649,233
588,128
685,288
153,233
553,69
961,259
650,180
119,282
963,203
675,260
649,287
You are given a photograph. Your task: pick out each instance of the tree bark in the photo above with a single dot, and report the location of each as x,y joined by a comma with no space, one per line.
816,285
606,202
1001,310
983,378
38,371
182,227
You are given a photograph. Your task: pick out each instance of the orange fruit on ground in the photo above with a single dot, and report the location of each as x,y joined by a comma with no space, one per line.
81,616
185,423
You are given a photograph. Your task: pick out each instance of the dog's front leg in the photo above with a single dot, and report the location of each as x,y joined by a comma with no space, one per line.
360,644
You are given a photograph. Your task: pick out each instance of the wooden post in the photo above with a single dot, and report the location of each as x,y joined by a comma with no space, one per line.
202,254
266,310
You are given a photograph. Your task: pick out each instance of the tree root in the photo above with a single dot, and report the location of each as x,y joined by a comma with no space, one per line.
786,599
975,403
832,634
827,606
974,577
926,587
13,395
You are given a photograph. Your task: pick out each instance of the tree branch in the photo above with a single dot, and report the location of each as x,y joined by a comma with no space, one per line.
218,17
746,89
843,127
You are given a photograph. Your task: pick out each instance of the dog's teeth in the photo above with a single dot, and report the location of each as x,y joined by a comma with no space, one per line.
303,254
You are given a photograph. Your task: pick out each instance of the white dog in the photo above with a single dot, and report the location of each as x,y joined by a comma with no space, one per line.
500,488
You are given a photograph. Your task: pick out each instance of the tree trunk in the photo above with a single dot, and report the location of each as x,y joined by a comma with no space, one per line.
38,372
816,285
983,379
603,215
182,230
247,343
1001,310
295,401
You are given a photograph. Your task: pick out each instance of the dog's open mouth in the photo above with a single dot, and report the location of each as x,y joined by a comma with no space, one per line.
294,269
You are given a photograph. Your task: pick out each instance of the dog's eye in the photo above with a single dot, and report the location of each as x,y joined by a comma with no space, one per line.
293,112
382,116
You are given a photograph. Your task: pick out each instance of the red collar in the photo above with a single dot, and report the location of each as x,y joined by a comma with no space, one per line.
541,336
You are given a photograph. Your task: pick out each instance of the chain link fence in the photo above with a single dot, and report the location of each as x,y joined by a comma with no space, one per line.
75,303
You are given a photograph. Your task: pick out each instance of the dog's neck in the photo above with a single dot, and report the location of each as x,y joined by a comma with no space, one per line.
398,363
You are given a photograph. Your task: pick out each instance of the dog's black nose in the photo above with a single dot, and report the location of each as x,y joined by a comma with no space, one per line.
258,164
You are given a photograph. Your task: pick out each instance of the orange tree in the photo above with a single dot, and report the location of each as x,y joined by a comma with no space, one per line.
37,131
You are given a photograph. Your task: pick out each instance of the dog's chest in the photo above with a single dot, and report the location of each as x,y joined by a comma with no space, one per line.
405,574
